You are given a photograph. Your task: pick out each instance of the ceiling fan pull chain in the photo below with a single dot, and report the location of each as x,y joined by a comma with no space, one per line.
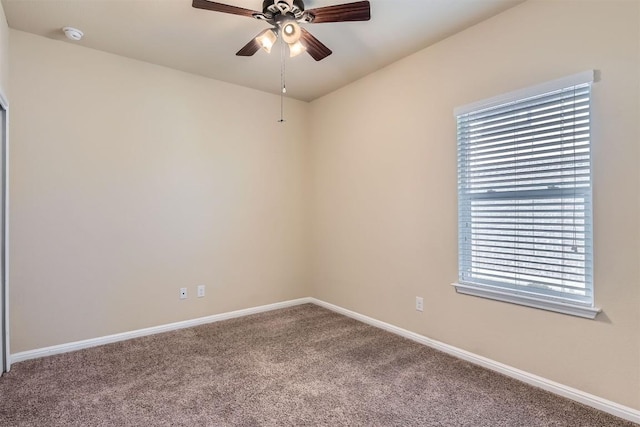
283,86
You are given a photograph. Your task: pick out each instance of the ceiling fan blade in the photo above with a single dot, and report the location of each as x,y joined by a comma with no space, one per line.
250,48
314,47
357,11
224,8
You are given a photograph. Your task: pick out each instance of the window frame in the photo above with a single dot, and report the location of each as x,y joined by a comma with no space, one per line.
531,297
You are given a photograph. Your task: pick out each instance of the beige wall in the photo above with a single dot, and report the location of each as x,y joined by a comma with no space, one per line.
4,52
129,181
384,212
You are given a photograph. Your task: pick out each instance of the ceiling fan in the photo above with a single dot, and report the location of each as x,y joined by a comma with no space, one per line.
285,17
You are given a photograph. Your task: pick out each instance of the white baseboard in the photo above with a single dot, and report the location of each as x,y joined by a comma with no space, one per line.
93,342
599,403
596,402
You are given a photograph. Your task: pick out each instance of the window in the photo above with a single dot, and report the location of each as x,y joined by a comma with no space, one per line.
524,197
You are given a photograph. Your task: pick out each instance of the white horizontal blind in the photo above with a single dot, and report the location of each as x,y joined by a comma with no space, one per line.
524,196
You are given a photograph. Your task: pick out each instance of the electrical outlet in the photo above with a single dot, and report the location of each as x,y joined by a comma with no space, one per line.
419,304
200,291
183,293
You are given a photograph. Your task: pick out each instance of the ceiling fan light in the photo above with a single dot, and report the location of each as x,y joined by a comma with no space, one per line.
296,49
289,29
267,39
291,32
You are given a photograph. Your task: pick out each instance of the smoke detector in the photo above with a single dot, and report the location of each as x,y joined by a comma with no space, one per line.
73,33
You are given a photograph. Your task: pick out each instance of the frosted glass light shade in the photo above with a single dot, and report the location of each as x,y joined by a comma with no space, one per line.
291,32
296,49
267,39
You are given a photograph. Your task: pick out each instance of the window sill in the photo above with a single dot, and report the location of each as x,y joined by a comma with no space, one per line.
559,307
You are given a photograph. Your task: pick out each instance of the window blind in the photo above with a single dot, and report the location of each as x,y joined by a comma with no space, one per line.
524,195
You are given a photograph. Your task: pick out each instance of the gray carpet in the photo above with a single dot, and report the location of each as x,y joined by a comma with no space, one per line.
300,366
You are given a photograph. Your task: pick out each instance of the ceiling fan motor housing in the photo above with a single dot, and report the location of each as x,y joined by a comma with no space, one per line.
272,8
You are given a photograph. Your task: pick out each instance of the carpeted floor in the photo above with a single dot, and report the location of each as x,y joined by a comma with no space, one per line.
300,366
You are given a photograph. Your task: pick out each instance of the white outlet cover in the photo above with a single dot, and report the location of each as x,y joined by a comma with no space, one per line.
200,291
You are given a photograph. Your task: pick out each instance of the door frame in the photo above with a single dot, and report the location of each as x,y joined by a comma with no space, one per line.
4,212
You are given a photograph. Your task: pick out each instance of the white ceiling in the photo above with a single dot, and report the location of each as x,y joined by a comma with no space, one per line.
174,34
